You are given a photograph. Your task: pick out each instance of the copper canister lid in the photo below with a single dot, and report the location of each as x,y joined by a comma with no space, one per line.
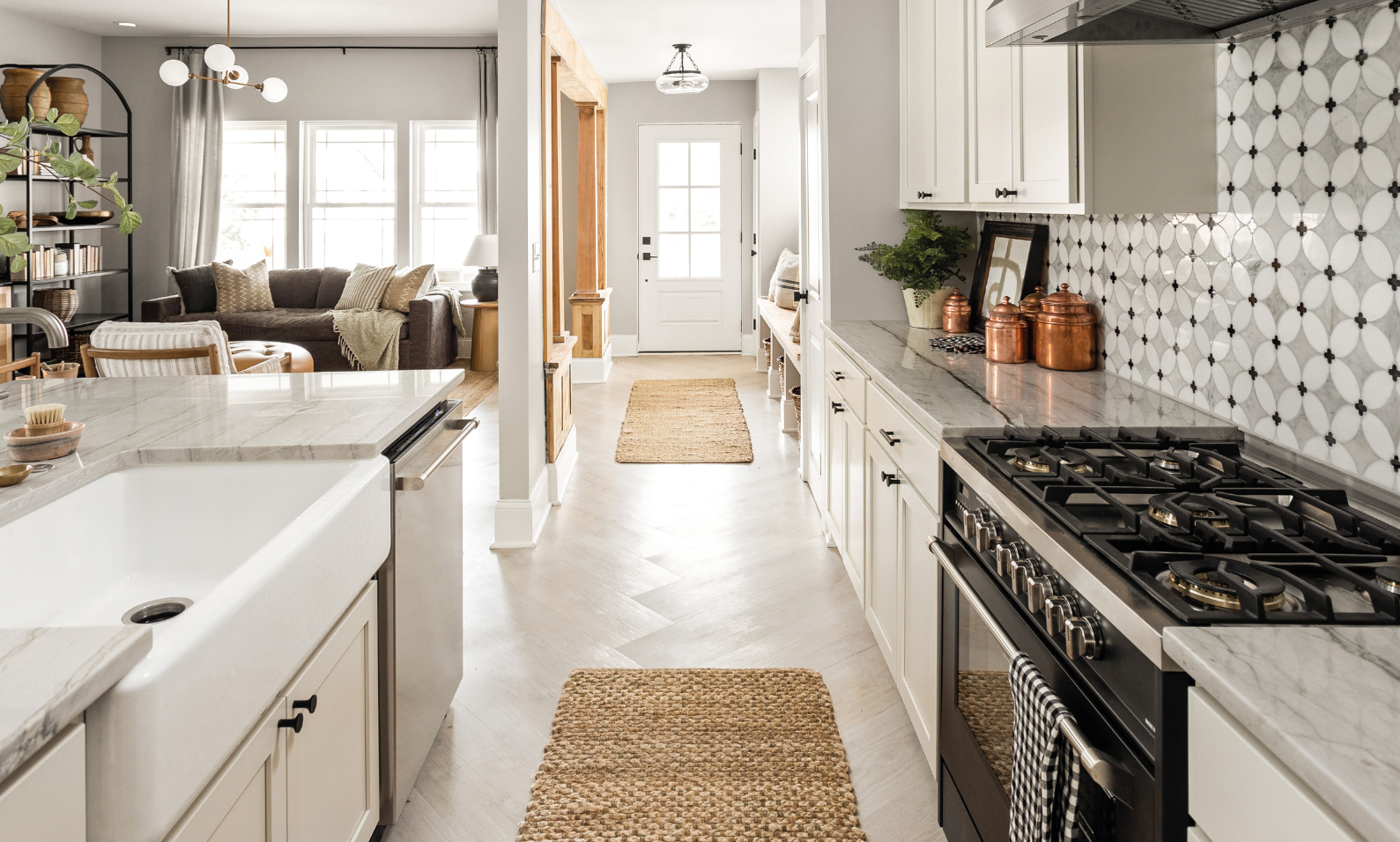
1005,312
1033,302
1064,302
957,302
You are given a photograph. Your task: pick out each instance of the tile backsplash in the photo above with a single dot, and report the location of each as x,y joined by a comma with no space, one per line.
1282,311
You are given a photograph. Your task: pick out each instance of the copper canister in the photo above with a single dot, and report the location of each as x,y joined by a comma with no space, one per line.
1007,335
1065,332
957,313
1030,311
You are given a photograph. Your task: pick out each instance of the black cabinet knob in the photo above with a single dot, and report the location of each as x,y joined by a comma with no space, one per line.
836,407
308,705
1003,193
294,723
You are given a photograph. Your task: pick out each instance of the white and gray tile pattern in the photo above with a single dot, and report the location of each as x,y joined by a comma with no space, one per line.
1280,312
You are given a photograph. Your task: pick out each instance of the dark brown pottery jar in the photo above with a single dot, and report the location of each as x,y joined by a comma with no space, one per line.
1030,311
1007,335
957,313
1065,332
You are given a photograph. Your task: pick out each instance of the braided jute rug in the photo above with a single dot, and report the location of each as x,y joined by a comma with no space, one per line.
693,754
684,421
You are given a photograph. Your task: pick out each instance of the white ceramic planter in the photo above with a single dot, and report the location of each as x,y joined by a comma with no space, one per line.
931,313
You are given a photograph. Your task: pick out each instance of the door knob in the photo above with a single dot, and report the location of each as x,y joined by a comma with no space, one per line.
294,723
800,295
308,705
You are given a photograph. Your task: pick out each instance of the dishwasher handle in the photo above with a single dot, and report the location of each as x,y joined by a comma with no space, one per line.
416,483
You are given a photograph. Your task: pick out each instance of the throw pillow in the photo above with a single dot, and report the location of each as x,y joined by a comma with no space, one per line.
404,288
242,292
364,289
787,279
196,286
795,334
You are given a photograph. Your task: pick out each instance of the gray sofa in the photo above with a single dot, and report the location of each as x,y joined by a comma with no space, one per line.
304,299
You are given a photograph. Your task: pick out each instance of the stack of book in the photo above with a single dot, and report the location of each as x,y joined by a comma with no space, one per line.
82,260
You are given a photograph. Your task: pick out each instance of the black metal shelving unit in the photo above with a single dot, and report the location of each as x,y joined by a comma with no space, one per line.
24,287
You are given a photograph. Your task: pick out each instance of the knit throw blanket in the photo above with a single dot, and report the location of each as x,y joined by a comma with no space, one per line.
369,339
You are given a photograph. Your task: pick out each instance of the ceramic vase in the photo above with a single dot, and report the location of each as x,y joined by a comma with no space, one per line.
67,95
16,88
930,314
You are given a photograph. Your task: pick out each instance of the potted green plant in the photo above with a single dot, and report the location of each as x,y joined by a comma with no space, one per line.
922,264
48,160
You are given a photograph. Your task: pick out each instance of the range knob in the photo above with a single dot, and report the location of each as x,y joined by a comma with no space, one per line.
1039,589
1083,638
1022,571
1057,610
988,531
970,518
1009,552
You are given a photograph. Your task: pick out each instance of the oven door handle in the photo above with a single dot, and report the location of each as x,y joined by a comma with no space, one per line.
1105,771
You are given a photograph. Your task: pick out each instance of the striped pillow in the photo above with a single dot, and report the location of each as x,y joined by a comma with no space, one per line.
364,289
787,279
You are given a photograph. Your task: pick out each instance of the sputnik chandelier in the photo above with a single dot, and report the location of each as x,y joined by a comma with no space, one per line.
220,59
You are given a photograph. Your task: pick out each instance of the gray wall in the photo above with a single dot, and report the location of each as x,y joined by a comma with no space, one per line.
779,145
324,85
629,106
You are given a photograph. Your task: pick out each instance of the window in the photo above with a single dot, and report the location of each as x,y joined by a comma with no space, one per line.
253,213
350,196
688,200
444,205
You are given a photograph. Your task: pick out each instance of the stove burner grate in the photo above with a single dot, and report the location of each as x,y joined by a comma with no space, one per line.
1186,511
1046,460
1217,583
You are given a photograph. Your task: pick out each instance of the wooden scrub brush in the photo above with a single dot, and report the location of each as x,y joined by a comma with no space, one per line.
43,419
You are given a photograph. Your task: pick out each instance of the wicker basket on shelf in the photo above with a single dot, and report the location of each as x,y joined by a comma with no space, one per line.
782,373
768,353
796,394
73,353
59,301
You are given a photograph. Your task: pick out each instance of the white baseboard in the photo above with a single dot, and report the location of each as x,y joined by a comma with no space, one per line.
748,345
519,522
593,369
624,346
560,470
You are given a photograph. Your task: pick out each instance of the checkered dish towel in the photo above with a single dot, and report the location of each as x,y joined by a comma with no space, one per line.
1044,769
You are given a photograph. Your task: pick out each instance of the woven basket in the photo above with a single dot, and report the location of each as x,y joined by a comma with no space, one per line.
61,302
782,373
768,353
73,353
796,394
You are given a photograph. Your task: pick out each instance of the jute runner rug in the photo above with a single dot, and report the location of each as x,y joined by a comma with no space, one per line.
691,755
684,421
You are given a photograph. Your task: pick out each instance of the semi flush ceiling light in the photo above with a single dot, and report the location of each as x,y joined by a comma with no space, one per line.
678,79
220,59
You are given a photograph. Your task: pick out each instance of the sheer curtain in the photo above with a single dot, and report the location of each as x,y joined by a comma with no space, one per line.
486,139
197,141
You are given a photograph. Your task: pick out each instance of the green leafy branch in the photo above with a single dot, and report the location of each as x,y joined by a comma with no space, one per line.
15,152
928,257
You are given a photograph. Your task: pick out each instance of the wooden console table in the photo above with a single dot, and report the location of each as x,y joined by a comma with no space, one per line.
485,333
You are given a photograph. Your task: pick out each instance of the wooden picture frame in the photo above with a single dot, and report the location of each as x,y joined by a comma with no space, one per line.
1012,260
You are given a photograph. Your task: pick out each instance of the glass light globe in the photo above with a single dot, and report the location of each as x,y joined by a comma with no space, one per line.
237,74
174,73
274,89
219,58
686,83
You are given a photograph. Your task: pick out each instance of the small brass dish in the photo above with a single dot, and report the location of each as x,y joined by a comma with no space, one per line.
14,474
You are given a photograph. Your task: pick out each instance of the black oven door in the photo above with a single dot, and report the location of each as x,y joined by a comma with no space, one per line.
979,629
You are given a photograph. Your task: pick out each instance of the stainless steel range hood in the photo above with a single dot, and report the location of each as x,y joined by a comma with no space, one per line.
1150,21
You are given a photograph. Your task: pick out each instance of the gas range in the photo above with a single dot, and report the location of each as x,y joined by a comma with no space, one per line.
1077,547
1211,535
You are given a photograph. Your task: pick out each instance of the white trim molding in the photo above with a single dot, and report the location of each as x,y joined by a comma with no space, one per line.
594,369
624,345
562,468
519,522
748,344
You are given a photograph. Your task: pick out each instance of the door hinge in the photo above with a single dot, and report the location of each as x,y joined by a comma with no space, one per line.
755,324
755,238
755,153
741,148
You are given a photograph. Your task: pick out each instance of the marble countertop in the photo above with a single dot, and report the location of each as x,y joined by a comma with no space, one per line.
48,677
149,420
963,394
1324,699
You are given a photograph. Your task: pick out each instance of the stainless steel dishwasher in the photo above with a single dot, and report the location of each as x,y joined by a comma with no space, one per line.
420,599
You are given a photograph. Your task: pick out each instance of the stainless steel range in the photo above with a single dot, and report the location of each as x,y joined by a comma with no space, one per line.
1078,547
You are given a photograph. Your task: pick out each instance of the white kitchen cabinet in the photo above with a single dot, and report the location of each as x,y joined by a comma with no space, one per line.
1053,128
917,675
46,798
933,97
853,543
316,784
835,452
1238,791
882,481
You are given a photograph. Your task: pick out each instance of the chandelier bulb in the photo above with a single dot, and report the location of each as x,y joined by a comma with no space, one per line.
174,73
219,58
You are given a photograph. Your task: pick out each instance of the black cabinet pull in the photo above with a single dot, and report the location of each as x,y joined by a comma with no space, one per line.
1003,193
923,195
889,437
308,705
837,376
294,723
800,296
836,407
889,479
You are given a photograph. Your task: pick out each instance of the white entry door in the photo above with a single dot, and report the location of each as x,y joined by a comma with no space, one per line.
688,236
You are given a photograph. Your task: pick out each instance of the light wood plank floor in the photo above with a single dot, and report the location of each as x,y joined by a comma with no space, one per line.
656,566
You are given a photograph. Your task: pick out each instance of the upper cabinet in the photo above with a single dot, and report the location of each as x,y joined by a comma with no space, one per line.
1060,129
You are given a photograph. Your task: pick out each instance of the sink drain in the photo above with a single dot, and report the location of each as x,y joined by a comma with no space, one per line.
156,611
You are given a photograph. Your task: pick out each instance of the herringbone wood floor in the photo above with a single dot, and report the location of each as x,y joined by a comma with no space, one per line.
656,566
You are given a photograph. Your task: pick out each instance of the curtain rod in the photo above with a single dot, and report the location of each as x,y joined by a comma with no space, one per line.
169,50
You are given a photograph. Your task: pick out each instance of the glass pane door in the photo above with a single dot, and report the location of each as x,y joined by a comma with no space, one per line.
984,690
